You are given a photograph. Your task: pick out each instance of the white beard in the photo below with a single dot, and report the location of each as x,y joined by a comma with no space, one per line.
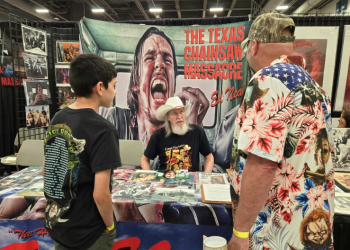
180,130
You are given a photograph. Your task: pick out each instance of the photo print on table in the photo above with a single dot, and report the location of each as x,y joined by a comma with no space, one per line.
34,40
35,66
37,116
66,96
138,191
143,175
341,138
173,194
37,92
62,75
66,51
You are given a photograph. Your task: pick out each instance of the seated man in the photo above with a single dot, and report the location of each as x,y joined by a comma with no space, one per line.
178,142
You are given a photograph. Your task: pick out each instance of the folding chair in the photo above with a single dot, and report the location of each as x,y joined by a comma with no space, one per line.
31,153
131,152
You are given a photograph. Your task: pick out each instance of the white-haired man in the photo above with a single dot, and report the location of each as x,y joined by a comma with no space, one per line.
178,143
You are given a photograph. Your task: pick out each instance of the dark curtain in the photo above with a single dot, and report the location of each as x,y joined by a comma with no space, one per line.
7,94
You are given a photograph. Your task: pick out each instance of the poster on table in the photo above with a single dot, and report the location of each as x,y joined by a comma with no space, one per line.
341,138
37,116
34,40
342,97
62,75
203,65
37,92
66,96
35,66
318,46
66,51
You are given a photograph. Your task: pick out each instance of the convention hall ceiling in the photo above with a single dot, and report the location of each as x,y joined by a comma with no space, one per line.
118,10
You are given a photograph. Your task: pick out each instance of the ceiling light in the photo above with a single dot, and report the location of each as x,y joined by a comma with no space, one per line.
56,18
155,10
97,10
282,7
216,9
42,10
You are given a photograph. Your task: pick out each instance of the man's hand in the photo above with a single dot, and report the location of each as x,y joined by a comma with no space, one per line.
199,104
238,243
37,98
44,98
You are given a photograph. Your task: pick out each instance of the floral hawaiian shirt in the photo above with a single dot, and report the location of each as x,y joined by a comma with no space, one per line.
285,117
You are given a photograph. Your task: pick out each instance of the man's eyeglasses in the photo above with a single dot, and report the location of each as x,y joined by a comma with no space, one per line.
287,39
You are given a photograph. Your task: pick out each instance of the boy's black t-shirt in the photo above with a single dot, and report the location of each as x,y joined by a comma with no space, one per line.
78,144
178,151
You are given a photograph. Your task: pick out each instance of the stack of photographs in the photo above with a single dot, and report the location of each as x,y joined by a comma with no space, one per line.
66,51
144,176
122,174
37,92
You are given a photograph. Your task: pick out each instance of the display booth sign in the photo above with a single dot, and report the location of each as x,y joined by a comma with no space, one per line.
204,65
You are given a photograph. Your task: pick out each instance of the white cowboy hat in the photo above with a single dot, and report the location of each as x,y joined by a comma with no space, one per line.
172,103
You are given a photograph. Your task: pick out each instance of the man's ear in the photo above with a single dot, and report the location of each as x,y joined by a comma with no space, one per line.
254,47
98,88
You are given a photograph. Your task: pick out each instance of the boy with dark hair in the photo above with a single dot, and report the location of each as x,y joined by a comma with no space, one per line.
81,151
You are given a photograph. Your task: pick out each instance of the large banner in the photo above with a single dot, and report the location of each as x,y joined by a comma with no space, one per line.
203,65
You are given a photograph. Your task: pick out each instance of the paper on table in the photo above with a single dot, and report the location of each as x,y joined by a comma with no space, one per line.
10,160
217,192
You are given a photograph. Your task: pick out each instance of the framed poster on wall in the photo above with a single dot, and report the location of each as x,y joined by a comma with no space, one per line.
318,46
342,97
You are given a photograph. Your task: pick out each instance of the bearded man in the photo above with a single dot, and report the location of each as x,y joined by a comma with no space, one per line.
178,141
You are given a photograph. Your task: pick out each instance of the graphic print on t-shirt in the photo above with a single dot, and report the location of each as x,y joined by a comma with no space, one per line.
62,163
179,157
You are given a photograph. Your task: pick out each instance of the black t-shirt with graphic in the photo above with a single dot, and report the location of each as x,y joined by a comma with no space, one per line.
178,151
78,144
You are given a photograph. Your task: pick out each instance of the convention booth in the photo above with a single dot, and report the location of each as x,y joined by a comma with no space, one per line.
209,65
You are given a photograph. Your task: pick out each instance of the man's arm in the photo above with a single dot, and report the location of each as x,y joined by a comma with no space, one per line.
257,180
145,163
102,196
208,163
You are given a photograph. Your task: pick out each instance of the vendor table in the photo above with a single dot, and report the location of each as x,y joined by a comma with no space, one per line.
177,222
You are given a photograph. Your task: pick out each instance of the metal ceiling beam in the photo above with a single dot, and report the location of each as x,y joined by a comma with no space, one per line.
204,8
177,6
231,7
51,11
109,7
93,4
142,10
289,5
306,7
225,9
271,6
30,8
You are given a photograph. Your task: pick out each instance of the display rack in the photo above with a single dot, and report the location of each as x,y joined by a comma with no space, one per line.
54,31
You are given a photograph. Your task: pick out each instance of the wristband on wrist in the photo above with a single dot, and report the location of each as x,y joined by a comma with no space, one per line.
110,228
242,235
